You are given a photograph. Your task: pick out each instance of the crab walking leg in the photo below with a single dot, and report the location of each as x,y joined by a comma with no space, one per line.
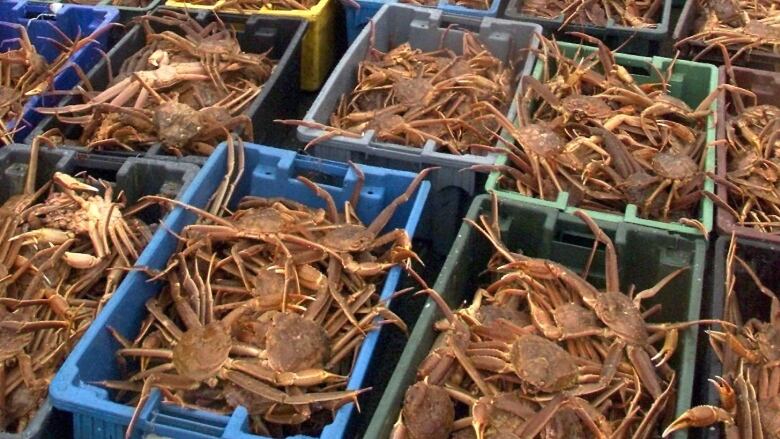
258,387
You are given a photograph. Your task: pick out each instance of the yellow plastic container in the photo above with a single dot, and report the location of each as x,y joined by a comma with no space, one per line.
317,50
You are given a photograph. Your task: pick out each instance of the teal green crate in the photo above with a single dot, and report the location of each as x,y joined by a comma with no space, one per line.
545,232
691,82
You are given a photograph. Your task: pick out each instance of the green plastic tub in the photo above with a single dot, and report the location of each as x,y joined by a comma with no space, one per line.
691,82
645,256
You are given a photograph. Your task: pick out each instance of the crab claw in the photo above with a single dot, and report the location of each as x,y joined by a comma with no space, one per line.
700,416
80,260
667,350
72,183
400,254
728,399
43,236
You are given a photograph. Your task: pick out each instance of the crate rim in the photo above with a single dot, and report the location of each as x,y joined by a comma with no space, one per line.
308,15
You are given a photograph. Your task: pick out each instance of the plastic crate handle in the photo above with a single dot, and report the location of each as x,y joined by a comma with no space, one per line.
579,239
322,172
460,22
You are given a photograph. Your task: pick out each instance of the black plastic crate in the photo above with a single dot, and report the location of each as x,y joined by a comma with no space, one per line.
686,26
256,34
633,40
764,258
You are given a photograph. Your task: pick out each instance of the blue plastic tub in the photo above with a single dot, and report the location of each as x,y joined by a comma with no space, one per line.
72,20
357,18
269,172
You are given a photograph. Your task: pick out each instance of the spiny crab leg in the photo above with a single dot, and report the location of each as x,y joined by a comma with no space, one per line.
255,386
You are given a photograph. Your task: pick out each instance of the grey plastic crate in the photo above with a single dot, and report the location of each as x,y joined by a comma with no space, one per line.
426,29
136,177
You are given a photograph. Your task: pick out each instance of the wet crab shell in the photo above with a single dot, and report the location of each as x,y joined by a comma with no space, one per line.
176,123
565,425
268,281
385,122
413,92
460,67
674,166
294,343
727,11
347,238
68,217
618,312
201,351
263,220
768,341
22,402
252,328
582,107
428,412
542,364
503,414
11,341
540,140
573,318
254,404
489,314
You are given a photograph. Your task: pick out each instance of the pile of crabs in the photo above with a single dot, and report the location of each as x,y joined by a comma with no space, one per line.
640,14
409,97
121,3
748,350
186,89
65,248
471,4
588,128
253,6
542,352
265,306
25,73
752,176
741,26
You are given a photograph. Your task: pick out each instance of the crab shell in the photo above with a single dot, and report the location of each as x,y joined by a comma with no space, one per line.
674,166
543,364
347,238
618,312
428,412
201,351
294,343
540,140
